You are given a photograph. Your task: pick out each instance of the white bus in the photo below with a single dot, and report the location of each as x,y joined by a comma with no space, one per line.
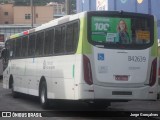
1,59
96,57
159,69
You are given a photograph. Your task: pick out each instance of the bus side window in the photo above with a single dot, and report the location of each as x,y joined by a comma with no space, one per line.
31,45
48,42
24,46
39,44
69,38
72,33
59,40
12,48
18,48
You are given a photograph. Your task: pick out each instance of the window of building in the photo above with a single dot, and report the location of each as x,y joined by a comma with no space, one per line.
36,15
27,16
6,13
6,22
55,11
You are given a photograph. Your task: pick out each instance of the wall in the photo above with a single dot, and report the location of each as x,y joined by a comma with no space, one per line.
6,19
45,14
41,14
85,5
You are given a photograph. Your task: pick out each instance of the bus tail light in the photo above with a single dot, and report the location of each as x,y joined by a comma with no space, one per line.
87,70
153,73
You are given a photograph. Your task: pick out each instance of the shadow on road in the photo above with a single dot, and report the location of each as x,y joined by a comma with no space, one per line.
58,105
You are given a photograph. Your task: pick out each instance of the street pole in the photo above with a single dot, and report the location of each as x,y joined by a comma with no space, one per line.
31,13
136,6
82,4
68,4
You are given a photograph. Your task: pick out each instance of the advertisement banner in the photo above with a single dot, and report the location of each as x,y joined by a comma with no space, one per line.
106,29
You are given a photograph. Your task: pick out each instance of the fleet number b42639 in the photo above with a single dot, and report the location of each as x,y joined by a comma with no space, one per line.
137,58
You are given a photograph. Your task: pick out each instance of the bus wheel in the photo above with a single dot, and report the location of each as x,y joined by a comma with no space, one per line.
43,95
14,93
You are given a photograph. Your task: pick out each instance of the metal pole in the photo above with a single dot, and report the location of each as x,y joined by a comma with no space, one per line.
90,5
82,5
68,2
31,13
149,7
136,5
115,5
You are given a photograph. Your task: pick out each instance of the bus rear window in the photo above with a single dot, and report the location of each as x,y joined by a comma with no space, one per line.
120,30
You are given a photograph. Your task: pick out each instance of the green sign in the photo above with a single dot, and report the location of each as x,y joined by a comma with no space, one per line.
107,29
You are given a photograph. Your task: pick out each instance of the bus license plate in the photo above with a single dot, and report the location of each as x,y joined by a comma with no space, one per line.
121,77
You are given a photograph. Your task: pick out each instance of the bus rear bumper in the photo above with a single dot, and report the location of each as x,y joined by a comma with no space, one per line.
115,93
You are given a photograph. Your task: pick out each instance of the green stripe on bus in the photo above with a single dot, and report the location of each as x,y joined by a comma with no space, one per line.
154,50
73,71
83,46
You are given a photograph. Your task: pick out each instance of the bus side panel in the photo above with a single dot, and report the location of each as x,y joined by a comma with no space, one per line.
30,76
6,75
61,83
115,93
18,73
1,67
82,90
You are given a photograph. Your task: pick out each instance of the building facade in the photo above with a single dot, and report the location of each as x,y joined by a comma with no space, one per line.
139,6
15,19
58,9
41,14
6,13
10,14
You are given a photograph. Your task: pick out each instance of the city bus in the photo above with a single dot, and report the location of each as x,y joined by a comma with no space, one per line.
95,57
1,59
159,69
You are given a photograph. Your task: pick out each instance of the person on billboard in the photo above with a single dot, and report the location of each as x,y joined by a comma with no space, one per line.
123,35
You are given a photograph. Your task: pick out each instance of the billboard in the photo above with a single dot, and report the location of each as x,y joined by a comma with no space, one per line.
101,5
104,29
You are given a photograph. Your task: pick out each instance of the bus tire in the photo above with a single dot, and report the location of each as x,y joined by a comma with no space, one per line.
14,93
43,95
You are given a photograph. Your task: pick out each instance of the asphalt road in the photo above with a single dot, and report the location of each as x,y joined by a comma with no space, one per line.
67,110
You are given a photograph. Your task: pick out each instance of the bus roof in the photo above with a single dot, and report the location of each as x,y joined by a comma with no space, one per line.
51,23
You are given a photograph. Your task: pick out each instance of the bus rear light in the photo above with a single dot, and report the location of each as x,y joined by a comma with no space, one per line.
87,70
153,73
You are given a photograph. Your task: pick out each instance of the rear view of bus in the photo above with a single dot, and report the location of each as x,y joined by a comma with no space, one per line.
122,62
